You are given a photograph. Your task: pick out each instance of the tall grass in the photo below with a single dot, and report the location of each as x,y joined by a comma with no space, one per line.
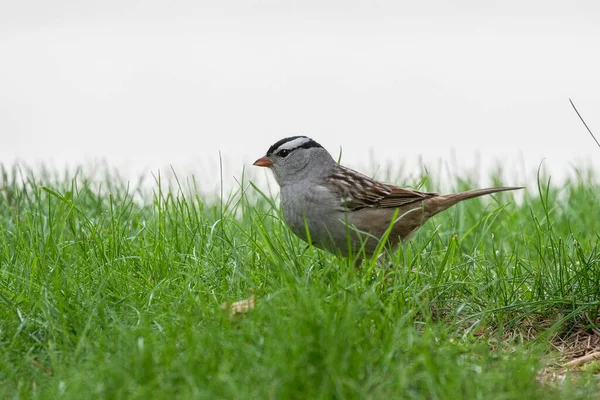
113,291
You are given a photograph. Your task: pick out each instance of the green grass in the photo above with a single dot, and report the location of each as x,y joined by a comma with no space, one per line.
107,291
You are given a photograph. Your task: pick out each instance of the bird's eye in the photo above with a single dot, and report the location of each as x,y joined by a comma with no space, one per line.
284,153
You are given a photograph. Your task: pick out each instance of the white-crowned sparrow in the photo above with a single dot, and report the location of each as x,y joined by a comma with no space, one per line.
327,204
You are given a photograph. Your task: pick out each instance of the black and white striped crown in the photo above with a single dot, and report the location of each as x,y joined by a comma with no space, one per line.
292,143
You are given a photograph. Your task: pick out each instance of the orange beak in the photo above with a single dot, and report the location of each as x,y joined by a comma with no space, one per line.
263,162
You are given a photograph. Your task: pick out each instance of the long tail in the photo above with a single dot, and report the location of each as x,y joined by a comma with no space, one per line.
440,203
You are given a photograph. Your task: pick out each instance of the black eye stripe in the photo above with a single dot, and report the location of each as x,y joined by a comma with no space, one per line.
310,144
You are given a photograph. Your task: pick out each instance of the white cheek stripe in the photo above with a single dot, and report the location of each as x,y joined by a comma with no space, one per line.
292,144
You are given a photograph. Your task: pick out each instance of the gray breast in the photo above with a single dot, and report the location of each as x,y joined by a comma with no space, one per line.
317,209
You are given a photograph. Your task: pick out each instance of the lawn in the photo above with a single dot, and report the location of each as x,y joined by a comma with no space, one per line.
114,291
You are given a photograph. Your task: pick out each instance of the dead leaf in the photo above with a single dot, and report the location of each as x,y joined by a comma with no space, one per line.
240,307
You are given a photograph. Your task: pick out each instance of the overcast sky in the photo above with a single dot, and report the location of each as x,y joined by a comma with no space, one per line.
144,85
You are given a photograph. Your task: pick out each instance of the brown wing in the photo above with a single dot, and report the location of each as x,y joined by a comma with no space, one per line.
400,197
359,191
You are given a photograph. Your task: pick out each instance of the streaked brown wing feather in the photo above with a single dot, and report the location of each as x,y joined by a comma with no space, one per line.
400,197
359,191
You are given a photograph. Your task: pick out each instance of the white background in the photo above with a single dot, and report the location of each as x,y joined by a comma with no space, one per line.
148,84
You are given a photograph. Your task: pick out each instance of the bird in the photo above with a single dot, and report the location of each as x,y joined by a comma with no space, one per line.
342,211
